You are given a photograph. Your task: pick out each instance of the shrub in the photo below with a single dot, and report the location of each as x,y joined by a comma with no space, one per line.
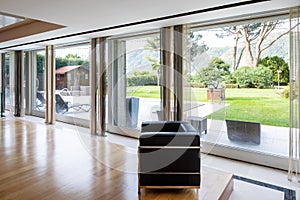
262,77
138,73
210,76
277,63
231,85
197,85
259,77
230,79
141,80
286,92
213,75
244,77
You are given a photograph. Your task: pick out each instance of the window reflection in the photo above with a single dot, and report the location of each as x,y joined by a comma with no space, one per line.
72,92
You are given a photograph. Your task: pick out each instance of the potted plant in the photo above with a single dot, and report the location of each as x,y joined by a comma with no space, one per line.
213,77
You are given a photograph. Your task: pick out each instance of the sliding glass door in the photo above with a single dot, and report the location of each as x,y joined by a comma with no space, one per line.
133,83
240,77
7,82
38,83
72,80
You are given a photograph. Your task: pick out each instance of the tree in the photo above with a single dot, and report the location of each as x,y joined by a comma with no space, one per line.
210,76
220,65
254,38
69,60
262,77
244,77
155,66
60,62
40,63
229,31
153,43
196,46
276,63
213,75
257,32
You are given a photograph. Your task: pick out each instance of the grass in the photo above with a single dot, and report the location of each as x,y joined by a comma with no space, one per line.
256,105
260,105
144,91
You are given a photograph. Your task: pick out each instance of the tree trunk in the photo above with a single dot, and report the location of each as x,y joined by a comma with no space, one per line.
240,57
244,32
235,50
158,77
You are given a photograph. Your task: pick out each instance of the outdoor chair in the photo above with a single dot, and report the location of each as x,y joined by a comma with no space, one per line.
41,100
63,106
242,131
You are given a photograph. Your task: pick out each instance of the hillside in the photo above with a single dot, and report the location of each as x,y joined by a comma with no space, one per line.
135,59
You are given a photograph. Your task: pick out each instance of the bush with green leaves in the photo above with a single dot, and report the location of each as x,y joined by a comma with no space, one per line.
214,74
210,77
277,63
262,77
219,64
249,77
287,90
196,85
230,79
244,77
231,85
141,80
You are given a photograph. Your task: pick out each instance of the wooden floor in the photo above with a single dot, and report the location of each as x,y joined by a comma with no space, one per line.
39,161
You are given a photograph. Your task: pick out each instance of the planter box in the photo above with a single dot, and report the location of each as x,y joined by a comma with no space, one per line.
242,131
215,94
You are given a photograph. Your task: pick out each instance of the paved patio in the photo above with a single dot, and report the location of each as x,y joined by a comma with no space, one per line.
274,140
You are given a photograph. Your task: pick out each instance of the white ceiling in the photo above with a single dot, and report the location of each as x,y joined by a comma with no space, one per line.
80,16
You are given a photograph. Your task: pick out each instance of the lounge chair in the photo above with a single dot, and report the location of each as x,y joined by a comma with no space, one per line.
63,106
40,100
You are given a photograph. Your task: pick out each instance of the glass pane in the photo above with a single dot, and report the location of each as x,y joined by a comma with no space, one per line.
105,109
135,85
73,93
7,81
8,20
39,86
240,76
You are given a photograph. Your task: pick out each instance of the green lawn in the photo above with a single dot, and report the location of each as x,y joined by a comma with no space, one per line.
257,105
144,91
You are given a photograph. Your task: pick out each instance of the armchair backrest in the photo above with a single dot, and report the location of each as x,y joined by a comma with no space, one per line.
167,126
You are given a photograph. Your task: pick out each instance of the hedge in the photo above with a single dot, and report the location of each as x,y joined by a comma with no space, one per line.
231,85
142,80
197,85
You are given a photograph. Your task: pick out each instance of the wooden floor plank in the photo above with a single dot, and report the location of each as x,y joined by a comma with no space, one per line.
38,161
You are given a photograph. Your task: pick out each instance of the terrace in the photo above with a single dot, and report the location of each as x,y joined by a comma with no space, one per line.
274,139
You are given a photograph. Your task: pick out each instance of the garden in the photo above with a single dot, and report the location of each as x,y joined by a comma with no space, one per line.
266,106
235,60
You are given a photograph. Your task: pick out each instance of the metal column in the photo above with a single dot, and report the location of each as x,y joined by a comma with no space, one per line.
102,86
2,64
178,66
165,70
50,85
93,83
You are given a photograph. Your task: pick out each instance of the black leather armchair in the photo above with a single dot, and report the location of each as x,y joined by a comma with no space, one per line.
169,155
